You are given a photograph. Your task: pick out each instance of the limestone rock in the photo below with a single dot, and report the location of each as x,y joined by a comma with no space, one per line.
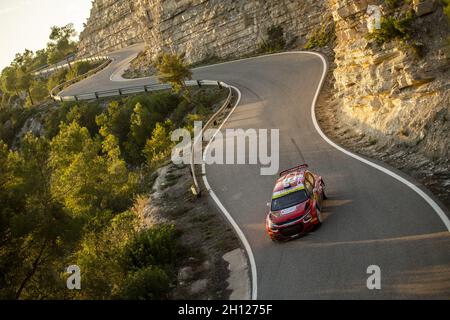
199,28
198,286
389,90
423,7
185,274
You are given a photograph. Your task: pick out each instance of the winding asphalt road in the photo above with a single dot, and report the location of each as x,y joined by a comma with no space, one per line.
370,218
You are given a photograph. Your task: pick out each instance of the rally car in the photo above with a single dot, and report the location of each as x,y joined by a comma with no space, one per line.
296,204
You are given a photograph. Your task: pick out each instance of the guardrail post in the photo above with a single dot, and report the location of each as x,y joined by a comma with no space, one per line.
76,98
120,92
219,84
199,83
145,89
96,95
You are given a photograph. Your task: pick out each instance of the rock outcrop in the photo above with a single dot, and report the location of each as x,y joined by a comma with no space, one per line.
199,28
203,28
397,92
112,24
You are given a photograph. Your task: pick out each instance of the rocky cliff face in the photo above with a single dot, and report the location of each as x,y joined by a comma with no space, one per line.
395,92
199,28
112,24
203,28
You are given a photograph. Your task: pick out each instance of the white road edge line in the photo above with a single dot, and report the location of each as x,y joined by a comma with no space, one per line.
416,189
239,232
237,229
241,235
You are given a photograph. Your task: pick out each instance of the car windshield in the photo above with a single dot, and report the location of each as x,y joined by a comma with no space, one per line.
289,200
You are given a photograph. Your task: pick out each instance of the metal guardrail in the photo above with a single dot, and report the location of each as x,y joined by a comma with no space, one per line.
125,90
149,88
55,67
69,58
54,92
196,190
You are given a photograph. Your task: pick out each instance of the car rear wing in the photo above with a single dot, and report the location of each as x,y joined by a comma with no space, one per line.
303,166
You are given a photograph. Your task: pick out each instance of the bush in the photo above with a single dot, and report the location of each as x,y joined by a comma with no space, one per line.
57,78
393,3
181,112
12,120
447,8
320,37
85,114
54,118
173,69
275,40
393,28
80,68
159,146
151,283
39,91
154,247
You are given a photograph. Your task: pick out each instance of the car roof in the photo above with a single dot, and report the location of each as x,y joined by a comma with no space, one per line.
288,183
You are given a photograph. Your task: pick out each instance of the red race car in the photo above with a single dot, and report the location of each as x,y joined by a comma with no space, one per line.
296,204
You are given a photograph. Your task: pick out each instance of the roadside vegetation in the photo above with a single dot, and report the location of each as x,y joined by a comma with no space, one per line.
19,85
144,66
320,37
446,8
69,193
397,26
396,3
275,40
400,24
76,69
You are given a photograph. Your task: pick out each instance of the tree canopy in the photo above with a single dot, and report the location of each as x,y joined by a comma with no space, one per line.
173,69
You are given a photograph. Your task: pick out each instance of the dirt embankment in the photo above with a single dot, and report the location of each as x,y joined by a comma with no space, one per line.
204,235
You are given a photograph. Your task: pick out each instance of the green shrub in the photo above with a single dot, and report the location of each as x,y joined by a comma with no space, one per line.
80,68
151,283
181,112
154,247
275,40
320,37
173,69
54,118
393,28
85,113
39,91
394,3
12,120
56,79
158,148
447,8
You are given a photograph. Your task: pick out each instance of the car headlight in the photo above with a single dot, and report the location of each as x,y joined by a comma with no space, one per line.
270,224
307,217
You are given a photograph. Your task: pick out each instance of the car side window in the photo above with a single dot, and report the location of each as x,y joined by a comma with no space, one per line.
309,184
310,179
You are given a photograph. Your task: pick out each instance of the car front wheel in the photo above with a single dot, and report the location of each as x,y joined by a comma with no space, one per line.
319,216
